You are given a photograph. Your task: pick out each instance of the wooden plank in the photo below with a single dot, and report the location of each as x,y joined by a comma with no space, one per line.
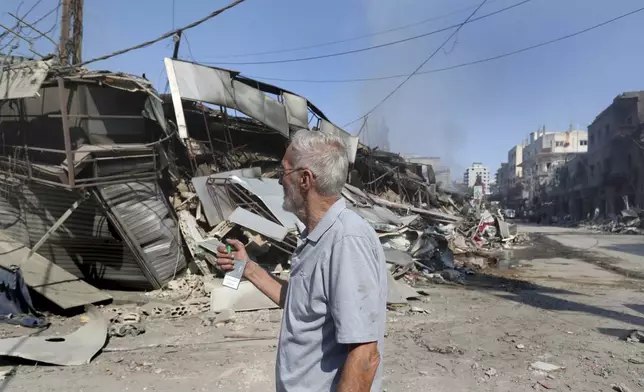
44,277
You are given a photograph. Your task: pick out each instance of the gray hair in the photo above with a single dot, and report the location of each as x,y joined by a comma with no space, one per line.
325,156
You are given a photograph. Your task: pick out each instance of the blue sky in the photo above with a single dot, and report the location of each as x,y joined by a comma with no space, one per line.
469,114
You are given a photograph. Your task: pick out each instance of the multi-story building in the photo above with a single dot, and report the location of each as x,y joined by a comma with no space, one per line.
545,152
614,156
501,176
477,169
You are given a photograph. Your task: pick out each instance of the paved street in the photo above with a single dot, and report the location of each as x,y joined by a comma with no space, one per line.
624,252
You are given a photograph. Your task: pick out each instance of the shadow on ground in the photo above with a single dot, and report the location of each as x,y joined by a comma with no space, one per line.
548,302
634,249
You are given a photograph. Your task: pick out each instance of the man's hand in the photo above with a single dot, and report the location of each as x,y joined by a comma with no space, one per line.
225,260
274,288
360,368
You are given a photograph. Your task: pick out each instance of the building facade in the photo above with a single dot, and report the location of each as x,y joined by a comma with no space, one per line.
613,165
477,169
546,152
502,184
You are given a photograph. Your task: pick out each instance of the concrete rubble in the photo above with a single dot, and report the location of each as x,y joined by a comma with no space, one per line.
629,221
143,203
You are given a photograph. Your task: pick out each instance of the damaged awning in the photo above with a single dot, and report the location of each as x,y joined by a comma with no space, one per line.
226,88
23,79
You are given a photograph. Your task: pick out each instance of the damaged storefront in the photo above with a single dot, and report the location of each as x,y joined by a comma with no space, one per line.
83,165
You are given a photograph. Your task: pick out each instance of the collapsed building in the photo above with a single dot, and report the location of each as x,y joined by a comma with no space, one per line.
106,183
83,161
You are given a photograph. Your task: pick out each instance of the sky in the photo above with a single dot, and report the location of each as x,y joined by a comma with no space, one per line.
469,114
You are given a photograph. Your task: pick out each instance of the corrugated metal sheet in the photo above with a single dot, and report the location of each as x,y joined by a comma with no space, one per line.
143,212
84,245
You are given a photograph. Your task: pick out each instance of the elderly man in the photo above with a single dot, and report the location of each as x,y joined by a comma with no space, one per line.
334,303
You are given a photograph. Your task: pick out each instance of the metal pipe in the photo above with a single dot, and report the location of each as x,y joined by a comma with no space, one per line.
53,228
100,116
68,142
128,177
102,183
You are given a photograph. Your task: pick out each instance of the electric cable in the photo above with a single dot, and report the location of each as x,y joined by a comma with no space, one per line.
368,48
355,38
419,67
164,36
497,57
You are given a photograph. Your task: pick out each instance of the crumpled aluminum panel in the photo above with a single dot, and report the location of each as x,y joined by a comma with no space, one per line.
23,80
350,141
142,212
296,110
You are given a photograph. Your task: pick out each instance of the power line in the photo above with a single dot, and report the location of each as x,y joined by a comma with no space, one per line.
336,54
457,65
185,37
420,66
355,38
31,26
164,36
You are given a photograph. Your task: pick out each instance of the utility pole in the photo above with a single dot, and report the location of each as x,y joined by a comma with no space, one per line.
177,43
77,37
71,32
64,32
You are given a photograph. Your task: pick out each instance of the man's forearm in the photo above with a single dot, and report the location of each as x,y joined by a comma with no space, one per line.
360,368
273,287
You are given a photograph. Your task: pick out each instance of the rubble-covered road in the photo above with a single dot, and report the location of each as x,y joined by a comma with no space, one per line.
547,319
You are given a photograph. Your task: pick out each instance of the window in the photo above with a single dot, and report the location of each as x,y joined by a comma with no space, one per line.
559,144
592,137
607,129
583,142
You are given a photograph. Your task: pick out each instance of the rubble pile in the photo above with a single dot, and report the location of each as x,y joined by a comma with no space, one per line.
143,188
428,234
630,221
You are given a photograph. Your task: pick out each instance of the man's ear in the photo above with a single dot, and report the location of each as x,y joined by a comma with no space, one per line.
306,180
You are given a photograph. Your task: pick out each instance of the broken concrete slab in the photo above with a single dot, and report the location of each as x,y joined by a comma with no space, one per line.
545,367
398,293
46,278
77,348
246,298
258,224
398,257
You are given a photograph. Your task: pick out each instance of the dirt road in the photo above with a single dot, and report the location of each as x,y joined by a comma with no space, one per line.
550,304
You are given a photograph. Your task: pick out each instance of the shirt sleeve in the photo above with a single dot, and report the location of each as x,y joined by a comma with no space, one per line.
354,291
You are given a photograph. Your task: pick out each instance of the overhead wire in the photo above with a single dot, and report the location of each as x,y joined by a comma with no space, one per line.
355,38
484,60
418,68
368,48
164,36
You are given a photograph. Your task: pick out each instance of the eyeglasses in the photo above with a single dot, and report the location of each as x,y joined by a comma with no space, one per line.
281,173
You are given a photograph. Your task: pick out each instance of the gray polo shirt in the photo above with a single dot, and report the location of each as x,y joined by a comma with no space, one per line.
337,295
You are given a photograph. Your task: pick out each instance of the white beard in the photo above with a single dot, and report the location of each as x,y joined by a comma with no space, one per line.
294,202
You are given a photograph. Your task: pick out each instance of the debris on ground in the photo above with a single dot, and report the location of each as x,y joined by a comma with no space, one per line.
143,205
635,336
629,221
77,348
545,367
621,388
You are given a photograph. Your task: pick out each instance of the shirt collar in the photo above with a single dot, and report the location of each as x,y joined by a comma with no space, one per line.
328,219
